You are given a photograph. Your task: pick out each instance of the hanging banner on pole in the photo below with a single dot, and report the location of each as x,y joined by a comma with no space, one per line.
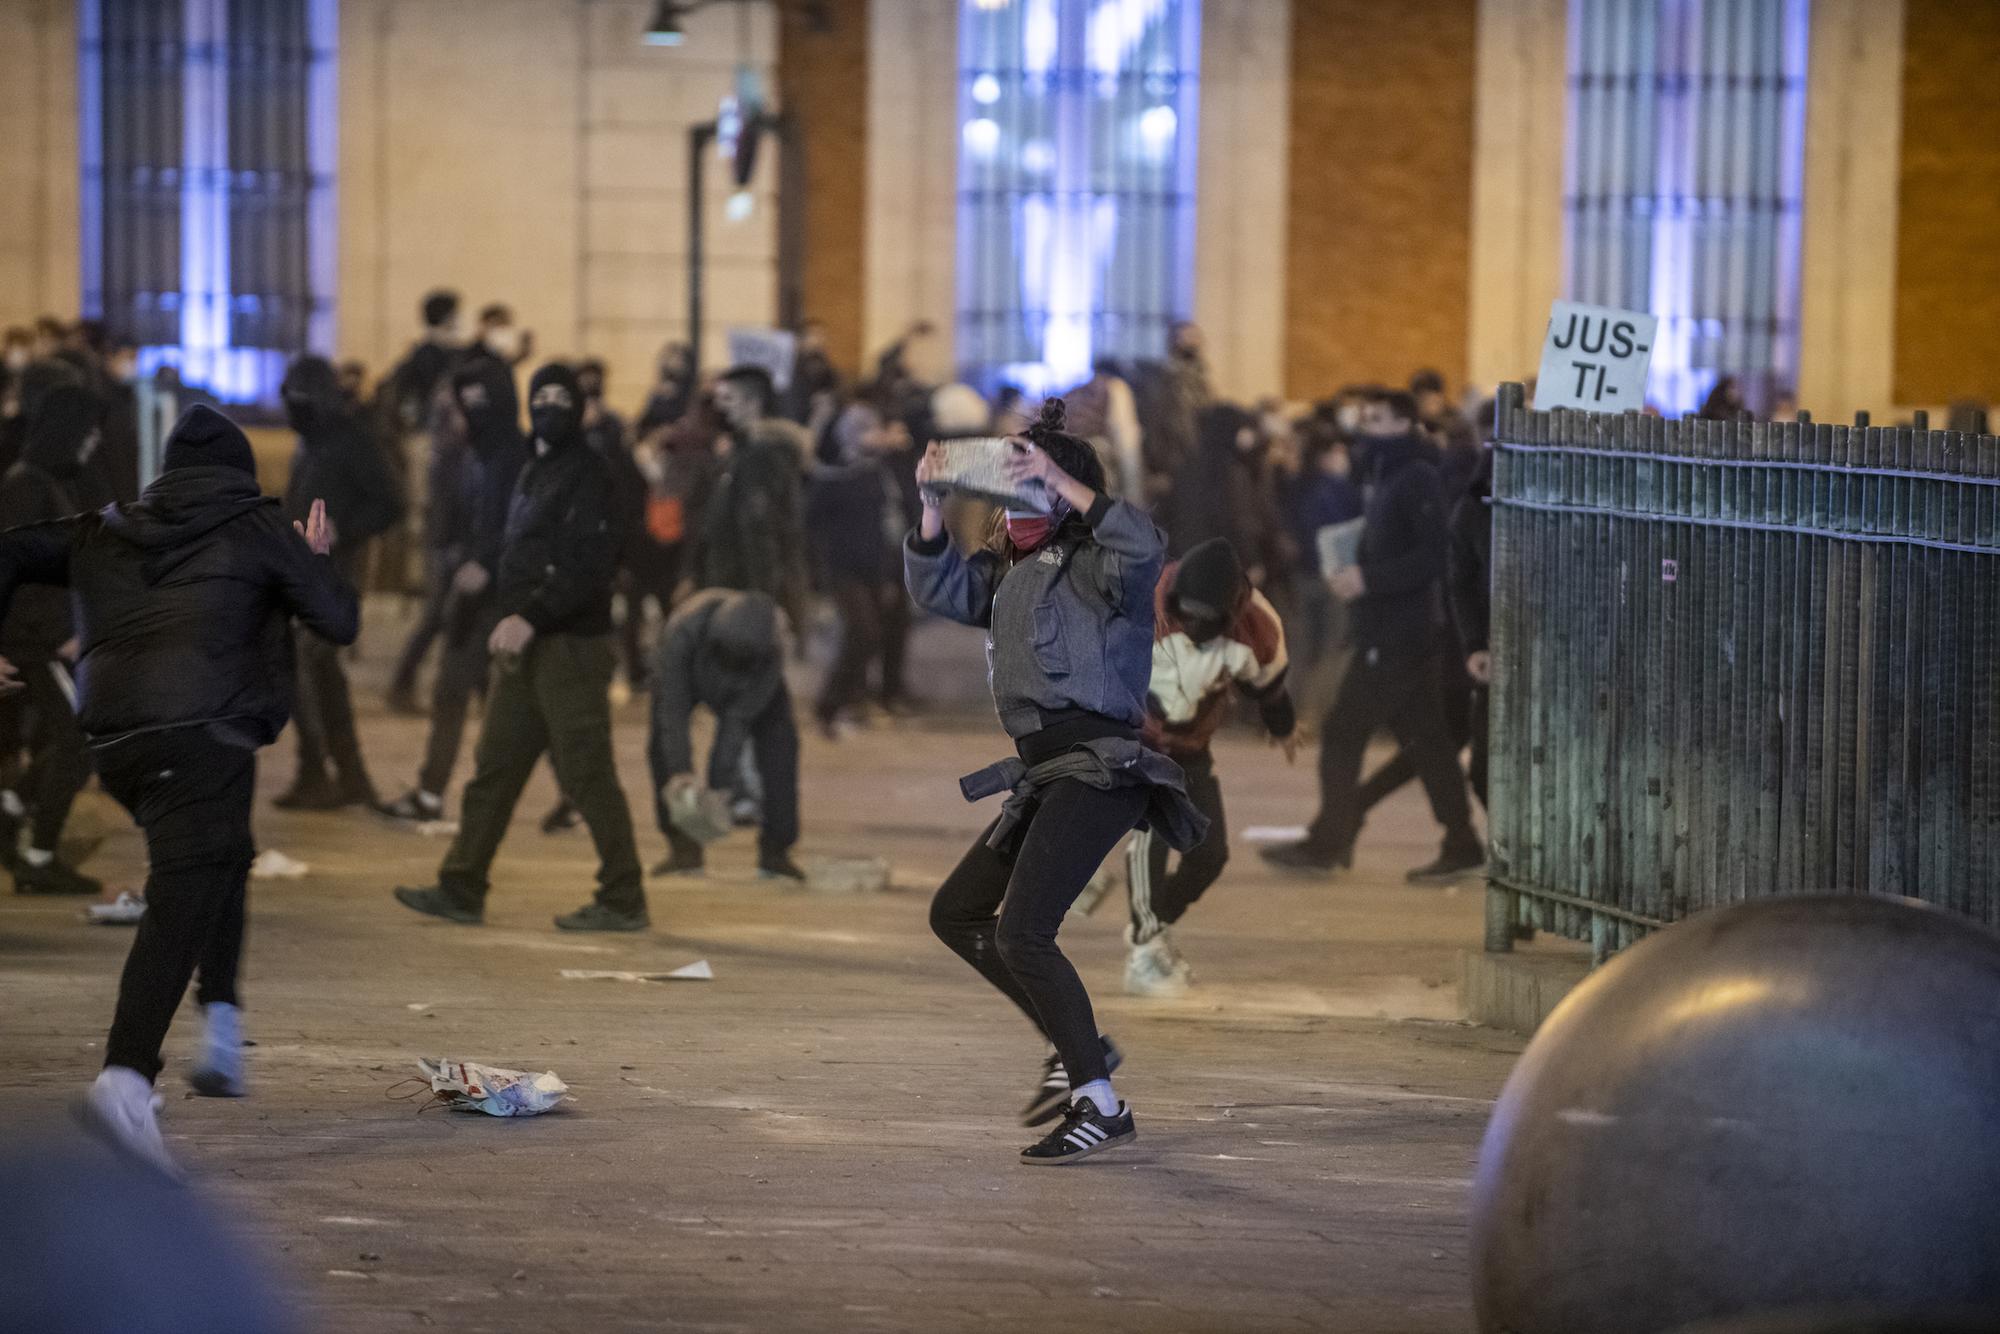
1595,358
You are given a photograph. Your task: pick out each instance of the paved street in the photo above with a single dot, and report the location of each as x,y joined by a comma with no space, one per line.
822,1137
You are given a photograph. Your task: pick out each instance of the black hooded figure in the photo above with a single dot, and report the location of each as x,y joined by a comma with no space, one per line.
721,650
554,659
183,603
465,526
337,462
50,481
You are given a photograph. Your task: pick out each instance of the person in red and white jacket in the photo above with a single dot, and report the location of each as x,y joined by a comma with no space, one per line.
1214,637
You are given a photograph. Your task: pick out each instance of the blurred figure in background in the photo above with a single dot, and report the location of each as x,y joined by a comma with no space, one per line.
752,532
1103,411
856,519
673,393
50,482
605,431
1221,492
339,463
498,334
468,522
1323,496
813,374
422,372
1725,402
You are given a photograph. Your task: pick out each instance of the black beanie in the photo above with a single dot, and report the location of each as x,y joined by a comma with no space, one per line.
1210,574
204,438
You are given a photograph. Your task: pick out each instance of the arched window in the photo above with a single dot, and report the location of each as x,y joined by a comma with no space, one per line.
1076,183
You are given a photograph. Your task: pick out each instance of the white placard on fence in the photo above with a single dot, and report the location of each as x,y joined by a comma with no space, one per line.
1595,358
773,349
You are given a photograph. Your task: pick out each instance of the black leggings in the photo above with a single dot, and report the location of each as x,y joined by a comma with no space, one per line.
1000,911
191,795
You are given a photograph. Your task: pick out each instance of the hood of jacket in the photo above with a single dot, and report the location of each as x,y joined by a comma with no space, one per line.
179,508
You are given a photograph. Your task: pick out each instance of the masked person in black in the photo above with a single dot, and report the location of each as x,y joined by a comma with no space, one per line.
50,482
338,462
183,603
552,674
468,529
1395,592
721,650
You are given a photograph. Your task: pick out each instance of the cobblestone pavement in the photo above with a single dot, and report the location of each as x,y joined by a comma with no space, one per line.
822,1137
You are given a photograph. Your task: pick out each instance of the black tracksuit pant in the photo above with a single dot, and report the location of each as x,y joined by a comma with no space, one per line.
1000,911
1158,899
59,758
463,670
191,794
1463,705
1400,691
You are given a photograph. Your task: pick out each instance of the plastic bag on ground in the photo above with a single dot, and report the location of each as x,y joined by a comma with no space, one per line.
466,1087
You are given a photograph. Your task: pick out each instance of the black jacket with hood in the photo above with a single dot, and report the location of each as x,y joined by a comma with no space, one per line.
560,558
183,600
338,461
1403,544
1472,559
50,481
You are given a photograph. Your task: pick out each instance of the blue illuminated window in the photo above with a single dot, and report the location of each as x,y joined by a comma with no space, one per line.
1076,176
208,146
1685,173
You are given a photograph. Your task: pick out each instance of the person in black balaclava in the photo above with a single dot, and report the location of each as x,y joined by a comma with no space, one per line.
1395,590
468,524
721,651
183,603
337,462
552,642
38,637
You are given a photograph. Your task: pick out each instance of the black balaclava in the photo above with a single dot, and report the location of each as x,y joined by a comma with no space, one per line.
484,390
558,422
63,421
312,394
204,438
1208,585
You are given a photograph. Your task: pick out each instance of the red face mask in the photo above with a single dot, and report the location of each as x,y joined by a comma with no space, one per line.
1029,531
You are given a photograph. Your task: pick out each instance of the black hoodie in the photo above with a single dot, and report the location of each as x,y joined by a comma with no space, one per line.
337,461
1403,545
560,559
182,603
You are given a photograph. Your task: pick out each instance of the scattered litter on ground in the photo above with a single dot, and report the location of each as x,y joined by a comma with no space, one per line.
698,971
1274,833
467,1087
272,864
438,829
417,1007
124,910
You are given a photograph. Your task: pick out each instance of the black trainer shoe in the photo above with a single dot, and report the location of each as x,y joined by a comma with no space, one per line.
435,902
563,818
779,867
1304,856
411,808
1084,1131
1452,863
52,878
676,864
597,917
1052,1094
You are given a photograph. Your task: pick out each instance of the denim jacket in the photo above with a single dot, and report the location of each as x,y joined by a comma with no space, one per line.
1069,626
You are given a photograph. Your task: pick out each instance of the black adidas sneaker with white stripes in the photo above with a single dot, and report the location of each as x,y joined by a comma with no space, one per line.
1083,1132
1052,1093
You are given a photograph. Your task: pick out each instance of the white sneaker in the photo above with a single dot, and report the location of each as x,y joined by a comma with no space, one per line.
121,1107
1152,970
218,1071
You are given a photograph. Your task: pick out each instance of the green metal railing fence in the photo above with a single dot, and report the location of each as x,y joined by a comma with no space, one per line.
1733,660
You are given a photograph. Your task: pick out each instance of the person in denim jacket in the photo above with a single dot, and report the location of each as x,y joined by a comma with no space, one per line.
1066,598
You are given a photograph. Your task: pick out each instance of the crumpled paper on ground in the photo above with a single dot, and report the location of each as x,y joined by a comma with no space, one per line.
466,1087
698,971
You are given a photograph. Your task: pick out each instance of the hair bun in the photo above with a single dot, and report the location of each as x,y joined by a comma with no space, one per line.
1054,414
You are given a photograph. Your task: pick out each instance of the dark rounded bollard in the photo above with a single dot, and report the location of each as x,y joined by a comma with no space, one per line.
1788,1103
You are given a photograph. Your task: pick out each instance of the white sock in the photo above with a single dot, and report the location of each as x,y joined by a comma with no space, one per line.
36,857
1099,1092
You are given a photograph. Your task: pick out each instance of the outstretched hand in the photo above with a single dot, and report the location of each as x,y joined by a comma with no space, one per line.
317,530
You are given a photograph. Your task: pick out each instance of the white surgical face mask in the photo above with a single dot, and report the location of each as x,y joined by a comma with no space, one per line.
505,340
17,358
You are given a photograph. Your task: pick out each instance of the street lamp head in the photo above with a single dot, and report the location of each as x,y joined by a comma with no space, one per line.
665,28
